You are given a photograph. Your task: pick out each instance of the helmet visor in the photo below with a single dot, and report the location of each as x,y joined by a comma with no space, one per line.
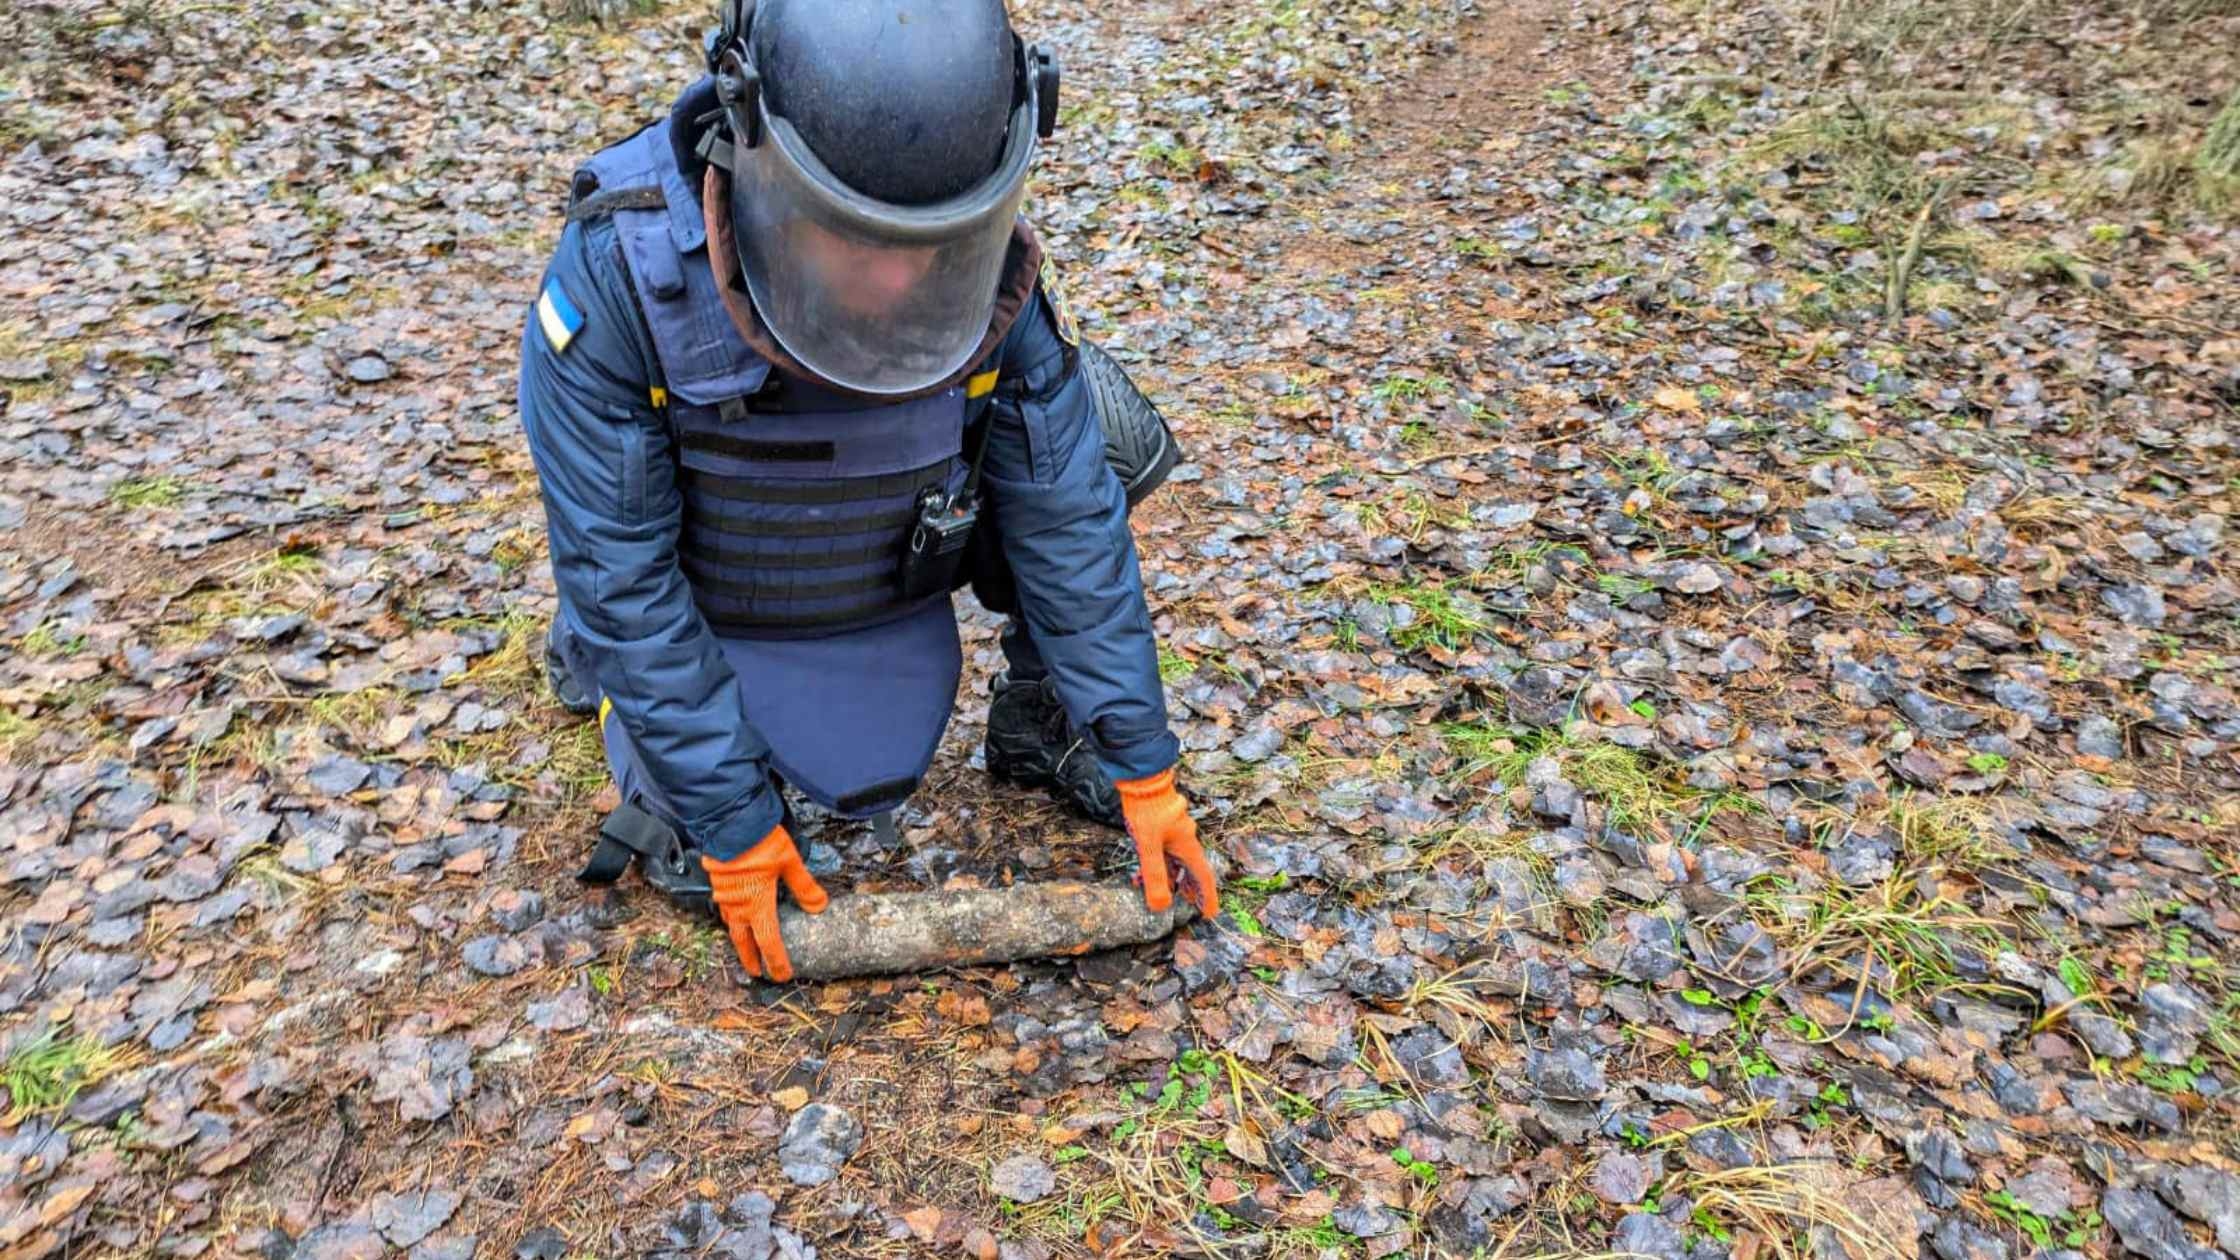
876,298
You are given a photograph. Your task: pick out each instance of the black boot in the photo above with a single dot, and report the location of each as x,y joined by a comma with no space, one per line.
1031,741
566,688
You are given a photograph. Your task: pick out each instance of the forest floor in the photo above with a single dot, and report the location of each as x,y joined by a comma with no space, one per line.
1701,617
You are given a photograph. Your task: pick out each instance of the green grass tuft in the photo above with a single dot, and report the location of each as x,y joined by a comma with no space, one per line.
47,1073
1638,791
1950,833
42,641
16,730
2216,164
1904,934
1174,666
147,492
1440,620
1621,587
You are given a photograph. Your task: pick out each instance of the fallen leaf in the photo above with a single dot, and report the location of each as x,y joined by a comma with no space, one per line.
924,1223
1241,1142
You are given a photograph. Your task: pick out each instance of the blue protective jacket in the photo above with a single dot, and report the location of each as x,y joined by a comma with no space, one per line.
606,458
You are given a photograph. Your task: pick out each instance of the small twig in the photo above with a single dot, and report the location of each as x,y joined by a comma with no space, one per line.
1901,276
1858,998
1827,55
2157,317
2054,1014
1757,1111
1472,453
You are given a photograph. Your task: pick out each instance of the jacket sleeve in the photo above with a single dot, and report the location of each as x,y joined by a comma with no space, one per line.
1063,520
612,512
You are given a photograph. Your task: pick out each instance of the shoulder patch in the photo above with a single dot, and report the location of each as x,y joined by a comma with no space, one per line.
558,317
1055,294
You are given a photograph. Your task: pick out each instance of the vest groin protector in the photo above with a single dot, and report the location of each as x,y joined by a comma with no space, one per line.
852,719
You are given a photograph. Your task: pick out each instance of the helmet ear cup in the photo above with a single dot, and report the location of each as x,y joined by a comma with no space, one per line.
732,19
1042,67
739,88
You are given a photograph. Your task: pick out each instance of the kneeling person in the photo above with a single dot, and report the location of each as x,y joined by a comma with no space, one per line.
797,372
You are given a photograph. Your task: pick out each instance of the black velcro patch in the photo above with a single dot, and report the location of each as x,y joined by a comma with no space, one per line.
804,452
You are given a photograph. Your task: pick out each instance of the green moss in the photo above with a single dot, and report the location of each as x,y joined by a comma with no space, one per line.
147,492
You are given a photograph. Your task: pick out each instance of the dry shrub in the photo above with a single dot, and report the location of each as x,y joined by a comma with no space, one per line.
1893,38
2216,164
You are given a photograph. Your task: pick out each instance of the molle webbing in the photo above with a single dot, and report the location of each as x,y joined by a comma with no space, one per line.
760,570
799,520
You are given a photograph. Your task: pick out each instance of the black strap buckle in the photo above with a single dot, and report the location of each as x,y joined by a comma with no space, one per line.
714,149
632,834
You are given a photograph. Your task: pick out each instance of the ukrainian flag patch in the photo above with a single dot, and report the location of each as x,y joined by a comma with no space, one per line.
558,317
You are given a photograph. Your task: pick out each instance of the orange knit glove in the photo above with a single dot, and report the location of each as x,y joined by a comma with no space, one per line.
746,895
1159,821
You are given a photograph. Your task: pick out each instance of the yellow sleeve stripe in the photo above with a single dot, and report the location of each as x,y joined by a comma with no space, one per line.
606,706
980,386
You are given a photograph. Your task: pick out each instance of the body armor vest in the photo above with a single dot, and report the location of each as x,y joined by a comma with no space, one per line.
804,510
